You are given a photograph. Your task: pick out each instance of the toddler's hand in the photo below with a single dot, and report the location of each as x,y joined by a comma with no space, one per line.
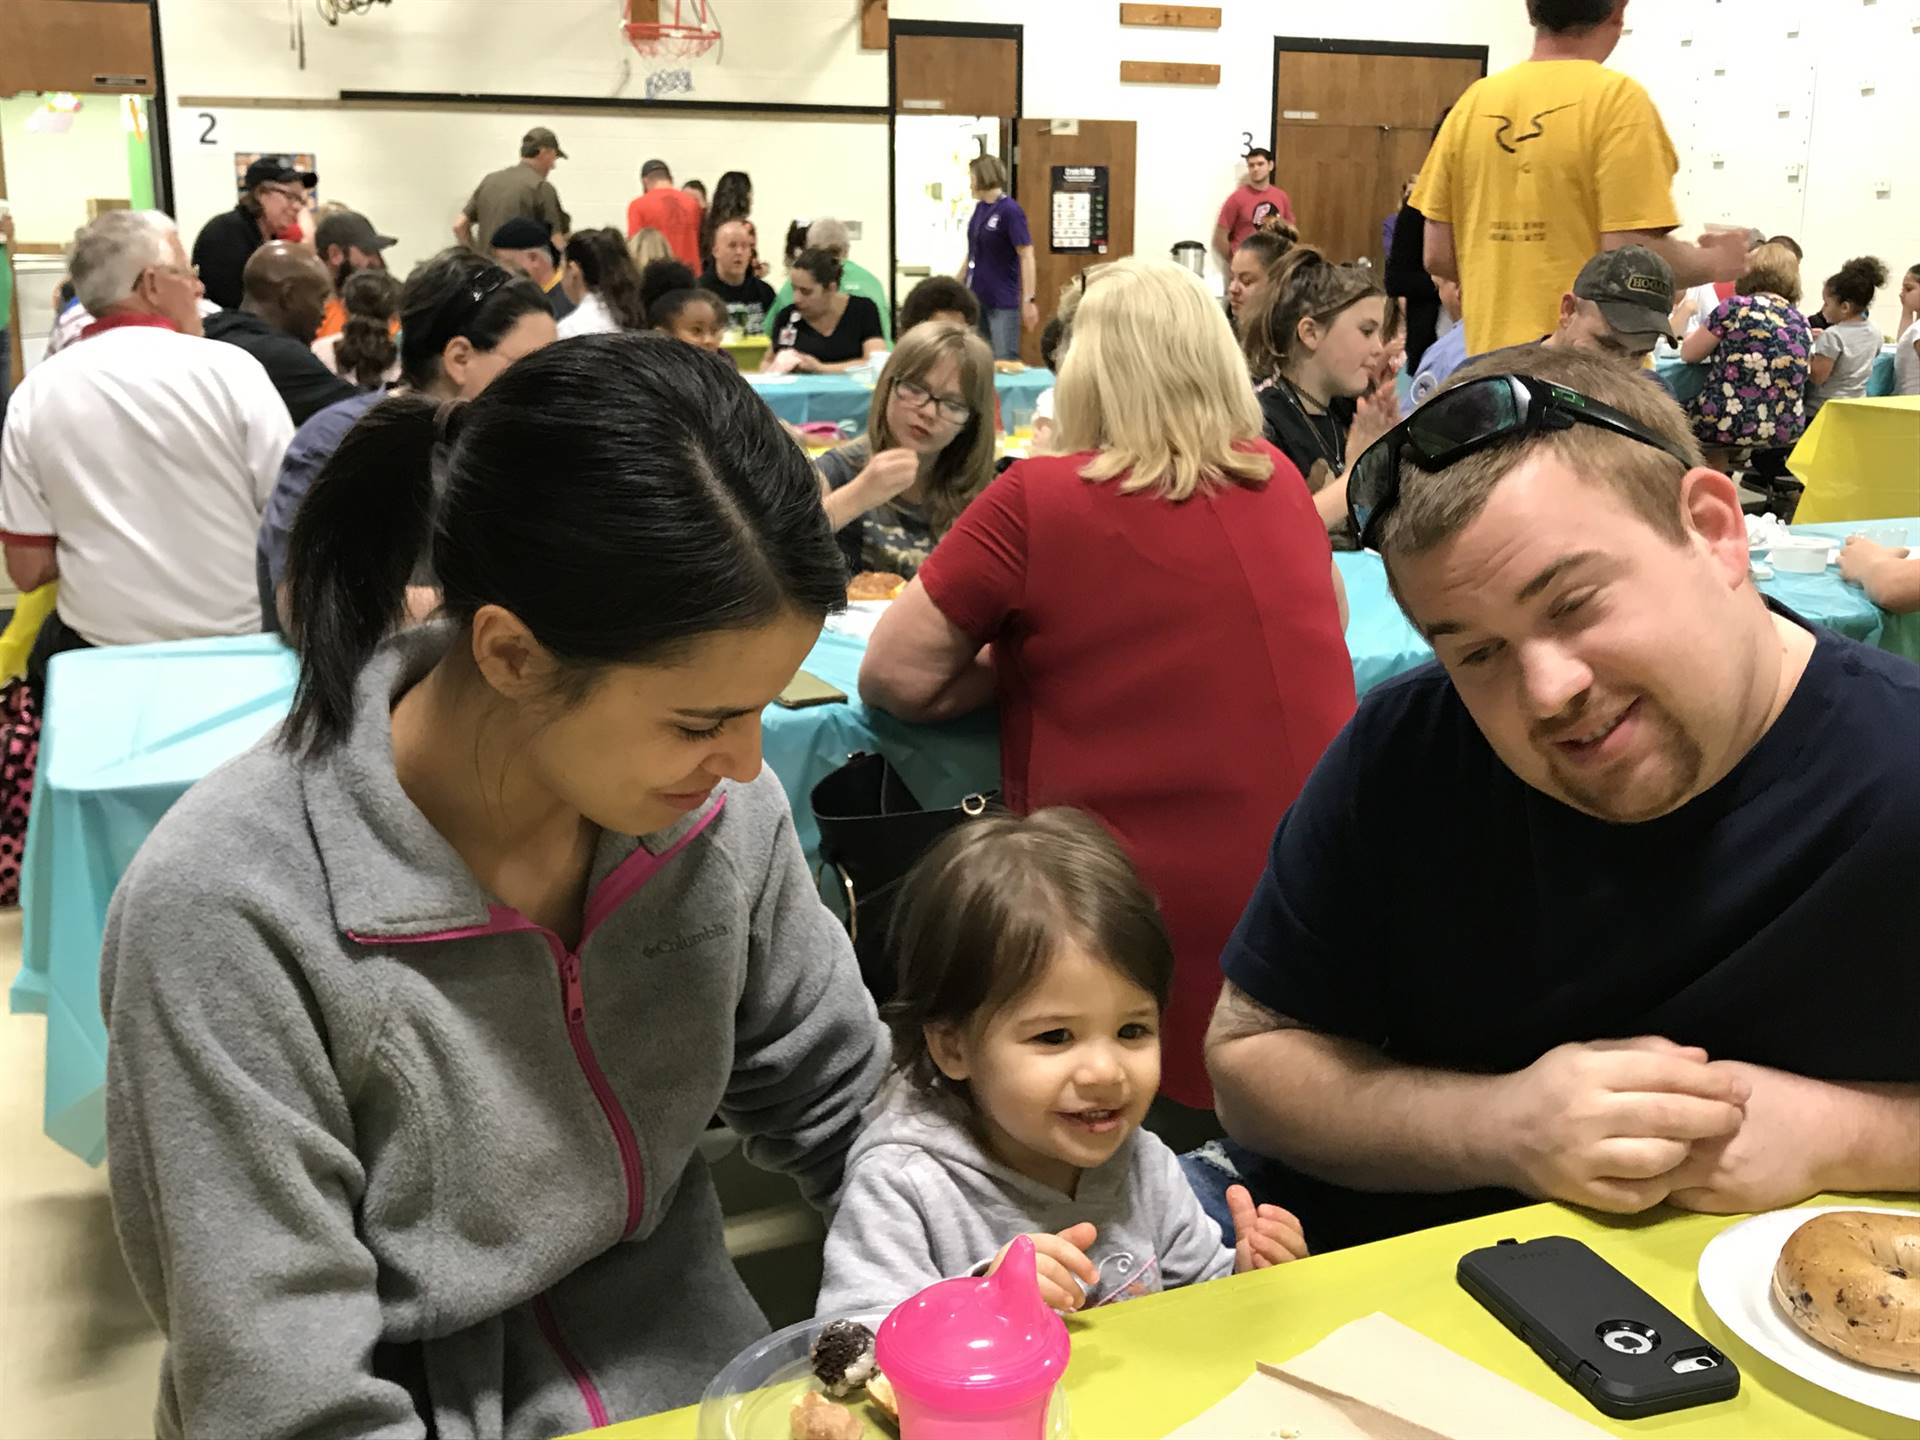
1063,1265
1262,1237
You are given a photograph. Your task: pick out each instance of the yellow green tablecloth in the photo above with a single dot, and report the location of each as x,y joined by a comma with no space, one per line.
1148,1366
1860,460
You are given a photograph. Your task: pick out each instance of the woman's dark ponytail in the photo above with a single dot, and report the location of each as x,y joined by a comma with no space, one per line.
358,534
683,509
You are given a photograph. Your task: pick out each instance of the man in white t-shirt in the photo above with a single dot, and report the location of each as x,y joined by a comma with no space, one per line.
136,462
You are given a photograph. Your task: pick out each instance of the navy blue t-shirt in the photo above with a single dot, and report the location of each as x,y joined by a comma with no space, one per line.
1421,898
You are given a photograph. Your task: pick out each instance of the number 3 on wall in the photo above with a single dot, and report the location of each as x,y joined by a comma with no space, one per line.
206,135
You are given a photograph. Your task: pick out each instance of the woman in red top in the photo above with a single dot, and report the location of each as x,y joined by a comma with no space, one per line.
1157,614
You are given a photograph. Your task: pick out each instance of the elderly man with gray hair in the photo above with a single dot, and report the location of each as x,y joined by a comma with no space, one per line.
833,236
136,461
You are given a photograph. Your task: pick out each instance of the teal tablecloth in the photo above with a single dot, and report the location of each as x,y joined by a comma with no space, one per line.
806,399
129,729
1685,380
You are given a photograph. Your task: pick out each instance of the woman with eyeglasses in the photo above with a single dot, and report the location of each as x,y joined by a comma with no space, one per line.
1156,612
463,320
928,450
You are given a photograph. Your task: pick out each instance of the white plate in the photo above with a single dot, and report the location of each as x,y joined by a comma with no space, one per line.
1736,1278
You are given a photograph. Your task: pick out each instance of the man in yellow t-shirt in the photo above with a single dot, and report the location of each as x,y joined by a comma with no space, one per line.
1544,164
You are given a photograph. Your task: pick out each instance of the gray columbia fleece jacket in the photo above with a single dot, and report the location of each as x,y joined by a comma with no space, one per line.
924,1202
376,1142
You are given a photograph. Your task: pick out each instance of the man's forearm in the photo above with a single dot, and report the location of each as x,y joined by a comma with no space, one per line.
1355,1118
1220,247
1691,264
1894,584
1877,1133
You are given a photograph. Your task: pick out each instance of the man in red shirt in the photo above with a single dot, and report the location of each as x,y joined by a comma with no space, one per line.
668,209
1249,205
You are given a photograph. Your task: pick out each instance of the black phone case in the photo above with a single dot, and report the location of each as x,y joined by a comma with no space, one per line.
1563,1300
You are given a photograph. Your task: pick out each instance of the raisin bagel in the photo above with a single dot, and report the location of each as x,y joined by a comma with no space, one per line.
1850,1279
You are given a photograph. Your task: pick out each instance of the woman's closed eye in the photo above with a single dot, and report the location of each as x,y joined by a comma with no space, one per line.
707,733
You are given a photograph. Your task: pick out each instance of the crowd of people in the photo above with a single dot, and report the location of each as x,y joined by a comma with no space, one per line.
419,1010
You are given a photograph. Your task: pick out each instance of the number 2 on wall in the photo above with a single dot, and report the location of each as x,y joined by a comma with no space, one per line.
206,135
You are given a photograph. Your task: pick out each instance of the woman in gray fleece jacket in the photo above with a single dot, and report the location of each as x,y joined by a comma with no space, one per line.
419,1009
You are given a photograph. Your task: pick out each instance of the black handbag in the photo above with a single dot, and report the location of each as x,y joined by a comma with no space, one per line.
873,830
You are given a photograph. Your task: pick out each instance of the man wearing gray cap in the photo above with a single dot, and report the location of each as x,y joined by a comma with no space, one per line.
1620,306
347,242
519,190
665,207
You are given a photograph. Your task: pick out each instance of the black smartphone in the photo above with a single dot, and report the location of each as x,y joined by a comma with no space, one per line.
1603,1334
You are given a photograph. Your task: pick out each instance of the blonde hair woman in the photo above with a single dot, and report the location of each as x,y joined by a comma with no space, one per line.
928,450
1156,612
999,267
647,246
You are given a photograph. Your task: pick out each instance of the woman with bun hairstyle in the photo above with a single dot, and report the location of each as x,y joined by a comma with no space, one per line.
420,1009
825,329
365,350
1844,352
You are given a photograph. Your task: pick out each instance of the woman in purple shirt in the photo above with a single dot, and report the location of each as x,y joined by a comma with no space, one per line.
999,265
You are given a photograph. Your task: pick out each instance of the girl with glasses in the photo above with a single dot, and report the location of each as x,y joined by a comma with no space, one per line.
928,450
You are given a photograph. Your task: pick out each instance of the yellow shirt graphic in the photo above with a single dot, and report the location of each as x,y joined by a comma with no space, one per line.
1531,168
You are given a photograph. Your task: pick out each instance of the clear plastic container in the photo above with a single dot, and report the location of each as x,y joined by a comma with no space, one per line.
752,1397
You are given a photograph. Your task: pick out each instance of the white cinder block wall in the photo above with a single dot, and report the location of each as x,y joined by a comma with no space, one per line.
1722,73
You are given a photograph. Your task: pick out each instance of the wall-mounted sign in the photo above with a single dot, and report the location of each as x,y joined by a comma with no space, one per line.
1079,209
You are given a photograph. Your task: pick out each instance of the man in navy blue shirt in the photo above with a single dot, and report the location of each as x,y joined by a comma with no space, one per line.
1613,903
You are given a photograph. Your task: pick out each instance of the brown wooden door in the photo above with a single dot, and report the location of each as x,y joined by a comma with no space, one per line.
1350,130
79,45
956,75
1099,142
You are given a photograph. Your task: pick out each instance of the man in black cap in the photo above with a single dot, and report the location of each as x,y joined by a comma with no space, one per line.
1621,305
524,245
270,198
519,191
286,288
346,242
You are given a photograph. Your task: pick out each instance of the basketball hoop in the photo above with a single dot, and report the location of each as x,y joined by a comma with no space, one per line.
691,32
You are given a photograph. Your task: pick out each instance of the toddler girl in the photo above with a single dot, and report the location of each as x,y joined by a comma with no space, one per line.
1033,970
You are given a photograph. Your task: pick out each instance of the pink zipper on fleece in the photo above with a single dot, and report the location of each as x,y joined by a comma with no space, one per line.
613,892
582,1378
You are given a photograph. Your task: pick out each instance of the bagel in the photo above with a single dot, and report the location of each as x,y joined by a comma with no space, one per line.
1850,1280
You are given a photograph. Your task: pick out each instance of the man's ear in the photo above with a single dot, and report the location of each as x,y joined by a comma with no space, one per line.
1710,503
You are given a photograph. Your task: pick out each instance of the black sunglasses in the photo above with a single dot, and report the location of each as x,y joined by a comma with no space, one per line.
456,312
1456,423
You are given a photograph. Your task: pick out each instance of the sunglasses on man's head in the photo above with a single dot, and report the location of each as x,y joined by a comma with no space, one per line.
1459,422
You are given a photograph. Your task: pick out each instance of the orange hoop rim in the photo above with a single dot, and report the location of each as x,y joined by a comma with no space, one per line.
681,40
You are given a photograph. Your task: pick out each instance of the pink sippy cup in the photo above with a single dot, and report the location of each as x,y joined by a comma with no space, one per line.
976,1359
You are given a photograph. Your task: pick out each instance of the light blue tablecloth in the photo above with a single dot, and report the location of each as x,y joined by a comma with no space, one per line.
129,729
803,399
1685,380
